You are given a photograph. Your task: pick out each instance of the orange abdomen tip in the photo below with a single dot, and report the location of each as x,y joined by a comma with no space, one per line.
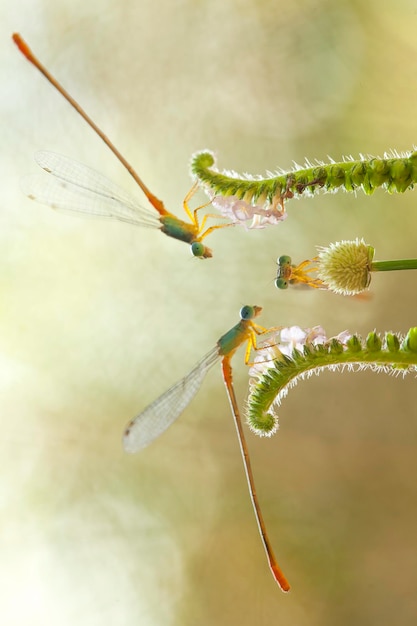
22,45
280,578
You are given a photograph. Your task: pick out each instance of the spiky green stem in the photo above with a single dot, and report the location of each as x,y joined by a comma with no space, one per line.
395,173
392,354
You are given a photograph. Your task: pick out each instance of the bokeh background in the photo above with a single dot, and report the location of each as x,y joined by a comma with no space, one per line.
99,318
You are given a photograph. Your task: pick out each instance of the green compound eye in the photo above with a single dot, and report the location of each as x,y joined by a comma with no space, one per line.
247,312
281,283
284,260
197,249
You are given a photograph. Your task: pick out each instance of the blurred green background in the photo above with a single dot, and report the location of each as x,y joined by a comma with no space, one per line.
99,318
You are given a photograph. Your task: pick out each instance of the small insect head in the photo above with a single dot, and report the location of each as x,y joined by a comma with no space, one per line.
284,271
200,251
248,312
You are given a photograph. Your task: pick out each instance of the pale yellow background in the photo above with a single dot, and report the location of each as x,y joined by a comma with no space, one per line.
98,318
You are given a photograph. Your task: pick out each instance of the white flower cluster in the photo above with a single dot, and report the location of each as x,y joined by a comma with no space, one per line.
241,212
284,342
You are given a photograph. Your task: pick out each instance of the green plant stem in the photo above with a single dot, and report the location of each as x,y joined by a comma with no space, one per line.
393,173
388,354
399,264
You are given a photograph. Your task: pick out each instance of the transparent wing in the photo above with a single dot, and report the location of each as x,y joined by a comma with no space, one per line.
75,187
163,411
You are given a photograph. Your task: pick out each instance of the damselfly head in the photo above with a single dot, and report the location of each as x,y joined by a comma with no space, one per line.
284,271
200,251
248,312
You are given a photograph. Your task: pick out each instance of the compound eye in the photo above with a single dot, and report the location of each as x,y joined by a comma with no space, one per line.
197,249
284,260
281,283
247,312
